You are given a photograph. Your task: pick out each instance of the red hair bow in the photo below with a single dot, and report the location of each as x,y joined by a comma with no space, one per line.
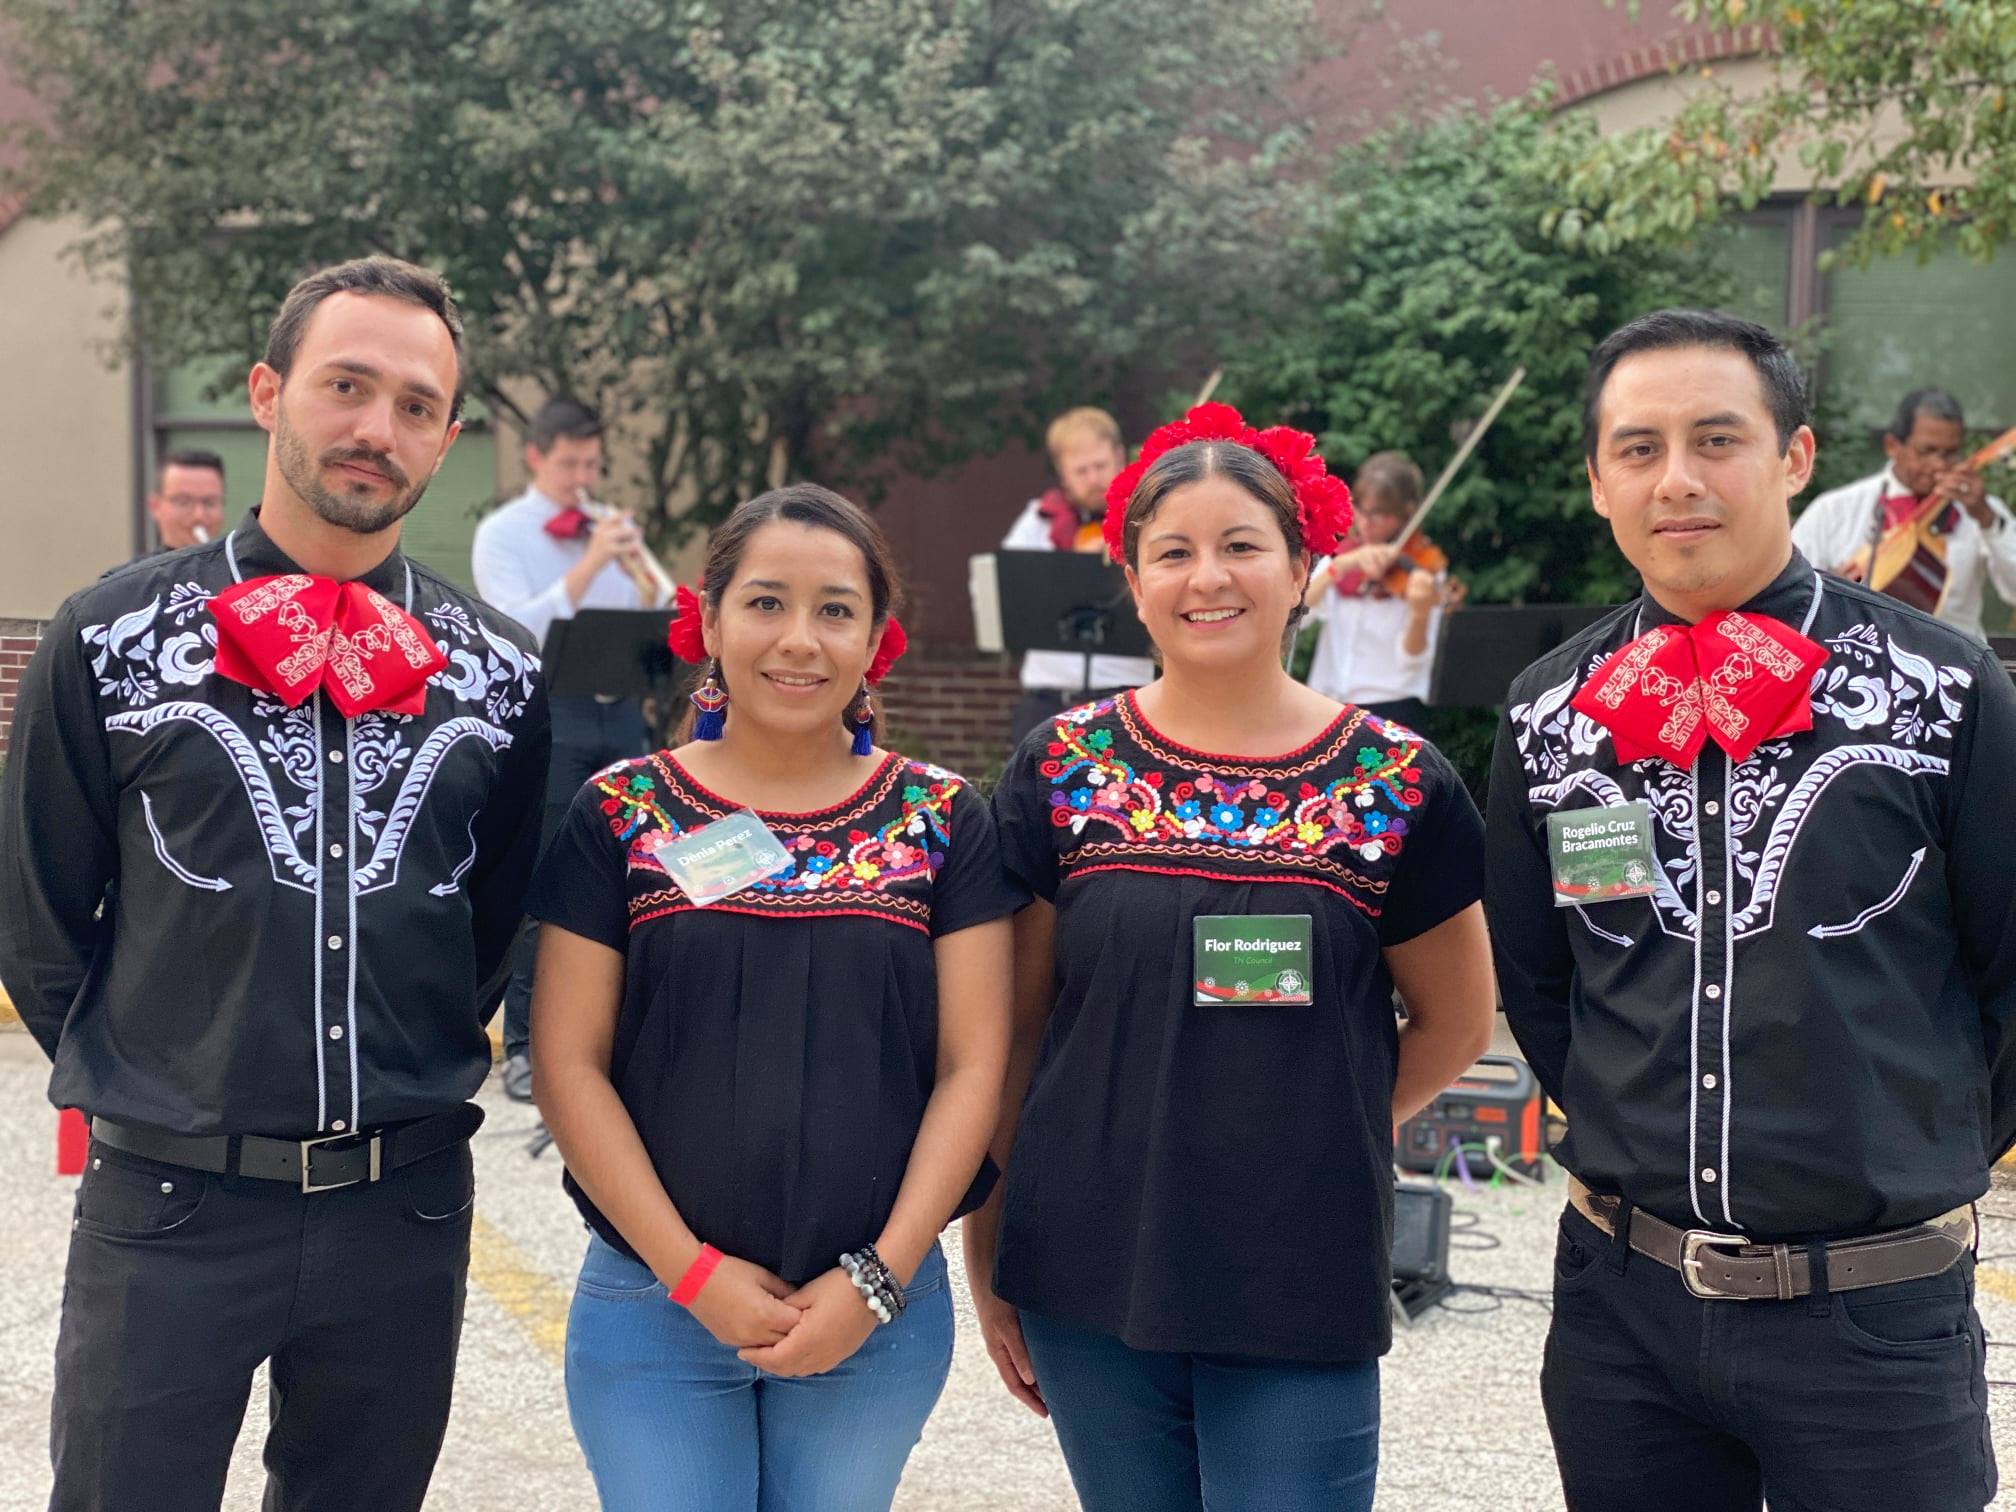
1322,502
894,644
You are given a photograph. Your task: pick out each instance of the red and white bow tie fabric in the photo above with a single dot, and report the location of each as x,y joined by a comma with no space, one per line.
568,524
1743,678
292,633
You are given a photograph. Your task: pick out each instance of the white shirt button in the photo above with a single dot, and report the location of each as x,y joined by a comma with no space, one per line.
1711,990
337,850
337,757
167,1187
339,1126
1714,896
1707,1173
335,942
1711,807
335,1031
1707,1081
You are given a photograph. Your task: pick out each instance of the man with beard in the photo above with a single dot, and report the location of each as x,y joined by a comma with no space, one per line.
1087,452
271,807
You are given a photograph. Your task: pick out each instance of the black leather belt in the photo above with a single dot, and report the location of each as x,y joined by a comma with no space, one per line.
315,1165
1731,1267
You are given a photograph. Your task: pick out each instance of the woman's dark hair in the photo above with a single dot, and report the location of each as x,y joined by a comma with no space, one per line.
800,504
1193,463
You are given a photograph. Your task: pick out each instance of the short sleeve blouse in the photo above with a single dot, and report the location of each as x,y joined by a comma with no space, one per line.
776,1049
1219,1179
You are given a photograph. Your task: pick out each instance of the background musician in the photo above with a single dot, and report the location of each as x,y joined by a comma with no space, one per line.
1925,446
1087,453
539,558
1377,644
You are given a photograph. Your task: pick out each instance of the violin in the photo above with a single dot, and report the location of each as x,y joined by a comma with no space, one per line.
1417,554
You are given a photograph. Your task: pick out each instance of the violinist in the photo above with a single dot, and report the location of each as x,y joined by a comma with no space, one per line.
1927,489
1380,606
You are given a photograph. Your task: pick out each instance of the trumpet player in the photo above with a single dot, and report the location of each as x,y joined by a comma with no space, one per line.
187,504
539,558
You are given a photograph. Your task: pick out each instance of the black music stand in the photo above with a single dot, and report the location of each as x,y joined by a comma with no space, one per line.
1068,601
1482,647
609,653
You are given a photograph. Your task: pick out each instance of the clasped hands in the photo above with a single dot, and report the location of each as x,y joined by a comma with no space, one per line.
778,1328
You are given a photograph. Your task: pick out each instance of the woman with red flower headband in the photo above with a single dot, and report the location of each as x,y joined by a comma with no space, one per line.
1190,1256
771,1030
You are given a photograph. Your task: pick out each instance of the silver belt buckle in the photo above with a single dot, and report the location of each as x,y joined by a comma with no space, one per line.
330,1186
1691,1244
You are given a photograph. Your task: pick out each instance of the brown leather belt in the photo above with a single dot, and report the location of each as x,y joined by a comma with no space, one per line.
1731,1267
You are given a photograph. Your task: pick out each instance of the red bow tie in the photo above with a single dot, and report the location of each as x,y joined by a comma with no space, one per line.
1899,508
1743,678
569,524
290,634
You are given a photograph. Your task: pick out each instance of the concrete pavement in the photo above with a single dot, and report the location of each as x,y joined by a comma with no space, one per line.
1462,1427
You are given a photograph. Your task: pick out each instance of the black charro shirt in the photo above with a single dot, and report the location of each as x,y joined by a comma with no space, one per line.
1805,1031
222,916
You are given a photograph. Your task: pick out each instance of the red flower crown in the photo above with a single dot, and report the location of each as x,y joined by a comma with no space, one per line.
689,646
1322,503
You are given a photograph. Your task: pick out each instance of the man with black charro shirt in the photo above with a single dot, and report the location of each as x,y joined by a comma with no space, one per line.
270,810
1748,887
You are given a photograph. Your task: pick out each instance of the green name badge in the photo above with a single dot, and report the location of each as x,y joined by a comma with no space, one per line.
722,858
1252,958
1601,854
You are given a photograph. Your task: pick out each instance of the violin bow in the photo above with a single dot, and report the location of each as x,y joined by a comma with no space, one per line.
1462,455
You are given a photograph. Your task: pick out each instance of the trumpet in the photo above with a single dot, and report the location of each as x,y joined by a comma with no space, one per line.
202,535
642,568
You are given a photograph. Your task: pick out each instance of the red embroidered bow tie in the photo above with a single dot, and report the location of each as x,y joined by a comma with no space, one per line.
1743,678
290,634
568,524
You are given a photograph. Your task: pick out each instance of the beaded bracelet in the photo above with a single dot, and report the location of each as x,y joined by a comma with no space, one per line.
877,1286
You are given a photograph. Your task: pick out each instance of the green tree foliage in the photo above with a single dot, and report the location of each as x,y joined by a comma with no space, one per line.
1887,102
1433,280
772,234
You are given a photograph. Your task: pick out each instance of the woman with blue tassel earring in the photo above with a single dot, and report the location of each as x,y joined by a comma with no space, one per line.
771,1030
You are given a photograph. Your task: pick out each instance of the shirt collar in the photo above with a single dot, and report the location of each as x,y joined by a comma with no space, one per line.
252,554
1888,484
1786,597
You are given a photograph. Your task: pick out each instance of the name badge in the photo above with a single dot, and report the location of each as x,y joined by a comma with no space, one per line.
722,858
1601,854
1252,958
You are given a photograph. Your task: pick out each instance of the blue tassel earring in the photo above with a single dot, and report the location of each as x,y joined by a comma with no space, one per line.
711,702
864,724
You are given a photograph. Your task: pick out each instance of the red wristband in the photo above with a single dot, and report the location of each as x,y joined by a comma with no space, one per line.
696,1276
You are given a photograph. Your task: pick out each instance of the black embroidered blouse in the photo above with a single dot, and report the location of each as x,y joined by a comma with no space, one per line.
776,1049
1219,1179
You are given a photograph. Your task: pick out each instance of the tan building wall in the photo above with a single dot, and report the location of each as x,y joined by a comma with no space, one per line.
66,425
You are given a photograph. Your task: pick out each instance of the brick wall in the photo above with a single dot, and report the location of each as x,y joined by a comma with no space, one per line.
17,639
951,705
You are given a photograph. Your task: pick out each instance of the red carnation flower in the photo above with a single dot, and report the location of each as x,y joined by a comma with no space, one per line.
894,644
684,636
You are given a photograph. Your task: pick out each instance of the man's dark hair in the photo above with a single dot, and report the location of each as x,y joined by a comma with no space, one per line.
188,456
1932,403
1663,330
561,416
366,275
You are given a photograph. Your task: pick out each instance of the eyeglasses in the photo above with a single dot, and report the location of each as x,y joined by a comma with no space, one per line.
193,501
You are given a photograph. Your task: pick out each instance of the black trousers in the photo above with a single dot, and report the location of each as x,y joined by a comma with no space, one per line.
180,1283
588,735
1863,1401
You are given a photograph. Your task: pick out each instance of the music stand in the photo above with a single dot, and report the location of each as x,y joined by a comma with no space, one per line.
608,653
1069,601
1482,647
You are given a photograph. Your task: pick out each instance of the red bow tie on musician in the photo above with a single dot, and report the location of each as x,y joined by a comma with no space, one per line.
292,633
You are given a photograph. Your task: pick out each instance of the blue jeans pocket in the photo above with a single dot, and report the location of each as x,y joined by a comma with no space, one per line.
609,1273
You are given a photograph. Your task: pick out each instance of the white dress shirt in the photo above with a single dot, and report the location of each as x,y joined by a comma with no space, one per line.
518,567
1358,657
1841,522
1064,669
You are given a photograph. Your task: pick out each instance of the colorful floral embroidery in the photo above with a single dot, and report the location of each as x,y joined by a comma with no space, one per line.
858,857
1294,812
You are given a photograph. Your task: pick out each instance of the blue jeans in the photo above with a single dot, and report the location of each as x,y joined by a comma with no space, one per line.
1144,1429
671,1421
